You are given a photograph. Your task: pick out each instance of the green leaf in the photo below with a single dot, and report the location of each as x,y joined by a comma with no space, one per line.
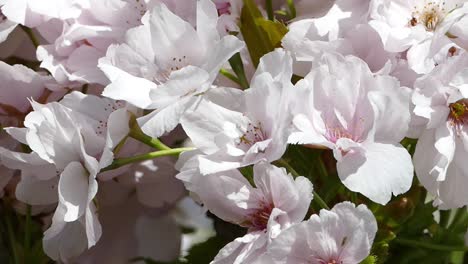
409,144
260,35
274,30
238,67
457,257
247,172
205,252
420,220
151,261
370,260
292,8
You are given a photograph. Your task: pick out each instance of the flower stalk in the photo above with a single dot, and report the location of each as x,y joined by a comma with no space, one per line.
317,198
427,245
148,156
137,133
31,36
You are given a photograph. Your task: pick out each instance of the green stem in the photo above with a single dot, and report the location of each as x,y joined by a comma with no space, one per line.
269,9
31,36
238,68
320,201
427,245
148,156
11,237
137,134
444,218
460,219
322,169
119,146
84,88
317,197
229,75
292,8
27,230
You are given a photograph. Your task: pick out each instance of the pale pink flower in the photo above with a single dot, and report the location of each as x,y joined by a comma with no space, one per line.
362,117
18,83
175,67
131,230
70,141
32,13
440,116
256,129
276,202
76,44
343,27
154,182
6,26
418,27
343,235
458,27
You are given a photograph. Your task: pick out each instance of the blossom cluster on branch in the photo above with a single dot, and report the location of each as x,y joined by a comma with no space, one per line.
234,131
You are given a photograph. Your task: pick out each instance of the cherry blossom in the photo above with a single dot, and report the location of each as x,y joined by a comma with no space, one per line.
439,109
343,27
31,13
6,26
418,27
256,131
362,118
276,202
342,235
18,83
161,130
75,45
69,148
178,64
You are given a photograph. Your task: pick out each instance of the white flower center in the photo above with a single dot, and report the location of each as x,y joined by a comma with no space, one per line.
452,51
101,128
333,262
258,219
253,135
458,115
175,64
429,15
223,8
335,133
178,63
2,16
139,8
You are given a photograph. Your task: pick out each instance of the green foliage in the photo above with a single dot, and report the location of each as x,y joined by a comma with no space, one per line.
205,252
238,67
21,239
370,260
151,261
407,230
260,35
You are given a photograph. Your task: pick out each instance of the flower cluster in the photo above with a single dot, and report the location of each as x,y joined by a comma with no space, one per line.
125,121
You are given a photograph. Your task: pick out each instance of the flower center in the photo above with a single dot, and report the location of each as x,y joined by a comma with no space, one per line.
2,16
452,51
223,8
138,9
110,107
330,261
258,219
253,135
429,15
334,133
458,115
175,64
178,63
